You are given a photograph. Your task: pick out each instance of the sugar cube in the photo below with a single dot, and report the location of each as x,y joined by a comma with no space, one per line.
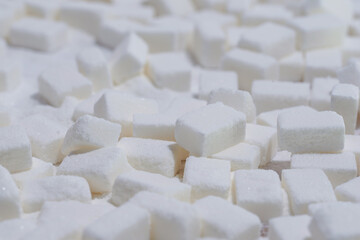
350,74
266,13
320,93
42,9
350,145
16,228
86,106
173,7
350,49
290,227
10,206
291,68
10,74
348,191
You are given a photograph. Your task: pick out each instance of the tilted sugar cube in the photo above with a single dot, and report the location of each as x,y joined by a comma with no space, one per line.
291,68
16,228
156,156
10,206
99,167
308,131
289,227
59,81
170,218
271,95
348,191
218,217
172,7
345,101
266,13
54,188
207,176
10,74
170,70
15,149
259,191
338,167
306,186
240,100
271,39
119,107
210,129
320,93
132,222
250,66
128,184
350,74
42,35
89,133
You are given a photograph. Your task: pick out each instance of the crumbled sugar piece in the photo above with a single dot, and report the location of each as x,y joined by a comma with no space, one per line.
155,156
250,66
320,93
14,229
209,43
132,222
291,68
309,131
89,133
322,63
119,107
99,167
10,74
290,227
170,218
263,137
86,106
351,145
210,80
210,129
43,9
272,95
350,74
271,39
207,176
241,156
129,58
170,70
306,186
93,65
39,169
15,149
348,191
266,13
345,101
10,206
54,188
218,217
59,81
128,184
259,191
42,35
339,168
172,7
318,31
350,49
335,221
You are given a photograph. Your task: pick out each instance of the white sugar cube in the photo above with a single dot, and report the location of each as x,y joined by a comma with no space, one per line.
345,101
155,156
350,49
351,145
241,156
320,93
89,133
271,39
59,81
207,176
99,167
269,95
120,107
291,68
14,229
308,131
132,222
339,168
86,106
250,66
224,19
10,74
210,129
222,219
209,43
170,70
210,4
290,227
173,7
350,74
10,206
343,10
129,58
93,65
54,188
348,191
159,38
170,218
266,13
259,191
43,35
15,149
306,186
128,184
42,9
240,100
318,31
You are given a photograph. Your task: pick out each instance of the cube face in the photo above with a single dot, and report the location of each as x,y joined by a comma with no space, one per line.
347,191
320,93
292,227
291,68
9,196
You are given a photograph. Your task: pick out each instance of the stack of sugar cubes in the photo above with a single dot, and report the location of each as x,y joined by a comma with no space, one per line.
179,120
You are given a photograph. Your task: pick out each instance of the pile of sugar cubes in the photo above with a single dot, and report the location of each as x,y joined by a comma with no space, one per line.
179,119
